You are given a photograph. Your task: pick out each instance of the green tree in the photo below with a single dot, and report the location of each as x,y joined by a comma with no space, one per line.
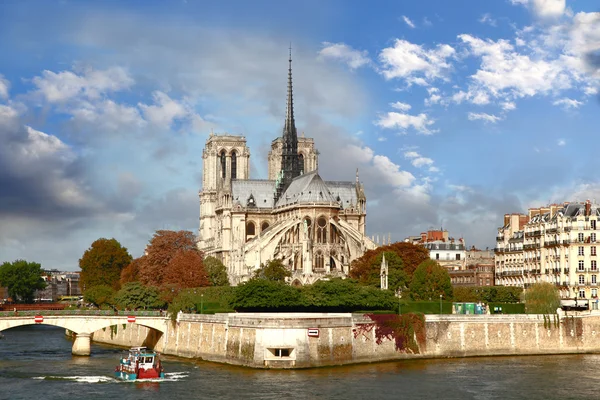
274,270
100,295
135,295
265,295
346,295
22,279
102,264
542,298
429,281
217,273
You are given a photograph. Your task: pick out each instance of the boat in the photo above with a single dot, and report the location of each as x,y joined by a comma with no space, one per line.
141,363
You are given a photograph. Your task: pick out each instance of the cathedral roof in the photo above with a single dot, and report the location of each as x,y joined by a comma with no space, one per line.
346,191
259,190
307,188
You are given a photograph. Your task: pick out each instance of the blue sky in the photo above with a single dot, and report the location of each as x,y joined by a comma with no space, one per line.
455,113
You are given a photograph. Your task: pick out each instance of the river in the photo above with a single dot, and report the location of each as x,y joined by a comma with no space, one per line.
36,363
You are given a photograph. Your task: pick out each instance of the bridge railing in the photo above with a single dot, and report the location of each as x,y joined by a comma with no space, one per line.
104,313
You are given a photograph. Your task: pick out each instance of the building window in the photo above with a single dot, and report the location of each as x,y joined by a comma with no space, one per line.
233,165
594,292
319,261
580,267
458,256
580,237
593,223
223,165
593,278
301,162
580,250
581,279
593,237
264,226
582,294
594,265
250,229
437,256
593,250
321,230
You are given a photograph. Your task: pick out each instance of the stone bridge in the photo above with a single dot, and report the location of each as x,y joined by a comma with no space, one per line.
82,326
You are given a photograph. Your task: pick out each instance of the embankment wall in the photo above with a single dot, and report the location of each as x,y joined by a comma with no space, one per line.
283,340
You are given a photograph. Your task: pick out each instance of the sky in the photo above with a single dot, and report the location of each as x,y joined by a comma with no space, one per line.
454,112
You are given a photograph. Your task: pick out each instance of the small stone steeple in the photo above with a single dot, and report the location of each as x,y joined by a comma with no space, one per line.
383,273
290,167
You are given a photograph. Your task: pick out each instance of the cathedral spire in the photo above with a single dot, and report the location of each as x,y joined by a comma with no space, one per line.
289,128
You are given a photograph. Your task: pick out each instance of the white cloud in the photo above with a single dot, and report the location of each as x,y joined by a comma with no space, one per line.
394,120
400,106
484,117
66,85
408,22
504,72
346,54
561,142
107,116
434,169
361,154
419,161
165,110
544,8
567,103
411,154
406,60
508,106
4,86
460,96
427,22
590,91
391,172
433,99
487,19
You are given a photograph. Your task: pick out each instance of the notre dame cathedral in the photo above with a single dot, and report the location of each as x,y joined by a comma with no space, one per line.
316,227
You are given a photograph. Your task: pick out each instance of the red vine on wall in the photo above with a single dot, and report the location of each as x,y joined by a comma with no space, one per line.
407,330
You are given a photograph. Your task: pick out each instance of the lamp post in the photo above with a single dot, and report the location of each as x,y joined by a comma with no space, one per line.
440,304
202,303
399,301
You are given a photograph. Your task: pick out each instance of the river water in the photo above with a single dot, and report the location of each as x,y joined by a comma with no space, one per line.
36,363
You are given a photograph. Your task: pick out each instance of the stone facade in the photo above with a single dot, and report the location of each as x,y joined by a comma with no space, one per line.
317,228
557,244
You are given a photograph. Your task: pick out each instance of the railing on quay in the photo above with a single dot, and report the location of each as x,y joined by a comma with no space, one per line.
99,313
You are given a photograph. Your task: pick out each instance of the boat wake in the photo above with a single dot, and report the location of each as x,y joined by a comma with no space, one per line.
169,377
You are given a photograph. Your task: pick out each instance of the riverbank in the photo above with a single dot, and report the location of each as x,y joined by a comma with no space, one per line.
303,340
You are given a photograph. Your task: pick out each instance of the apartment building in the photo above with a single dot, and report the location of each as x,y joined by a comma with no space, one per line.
447,251
556,244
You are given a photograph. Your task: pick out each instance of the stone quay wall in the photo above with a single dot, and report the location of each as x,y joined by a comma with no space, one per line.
299,340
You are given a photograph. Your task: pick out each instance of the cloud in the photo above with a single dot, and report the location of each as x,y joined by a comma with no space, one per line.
395,120
400,106
508,106
544,8
90,84
391,173
4,87
561,142
484,117
346,54
418,161
408,22
487,19
567,103
408,60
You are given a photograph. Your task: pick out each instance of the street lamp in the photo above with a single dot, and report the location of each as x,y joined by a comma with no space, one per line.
440,304
399,301
202,303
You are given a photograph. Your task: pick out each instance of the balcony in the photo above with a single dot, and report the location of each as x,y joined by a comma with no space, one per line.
566,271
566,242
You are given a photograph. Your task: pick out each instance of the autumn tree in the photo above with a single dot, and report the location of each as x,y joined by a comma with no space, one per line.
131,272
273,270
396,275
216,271
102,264
429,281
172,260
366,268
22,279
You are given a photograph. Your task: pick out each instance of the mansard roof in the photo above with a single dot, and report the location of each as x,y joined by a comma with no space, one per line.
307,188
260,190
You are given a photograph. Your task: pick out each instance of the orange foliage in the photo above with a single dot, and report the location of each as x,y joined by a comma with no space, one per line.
411,254
172,260
131,272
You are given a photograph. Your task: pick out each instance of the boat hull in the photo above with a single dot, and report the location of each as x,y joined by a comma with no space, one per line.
126,376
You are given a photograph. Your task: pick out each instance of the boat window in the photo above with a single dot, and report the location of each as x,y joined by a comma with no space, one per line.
148,359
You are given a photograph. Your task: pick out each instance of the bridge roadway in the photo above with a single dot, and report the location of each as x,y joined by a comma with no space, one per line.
82,323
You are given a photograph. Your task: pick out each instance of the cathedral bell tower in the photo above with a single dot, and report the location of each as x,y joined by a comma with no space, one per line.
290,166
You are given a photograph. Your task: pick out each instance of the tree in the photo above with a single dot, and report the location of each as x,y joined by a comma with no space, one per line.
22,279
542,298
274,270
372,275
102,264
131,272
217,273
172,260
99,295
429,281
366,268
265,295
135,295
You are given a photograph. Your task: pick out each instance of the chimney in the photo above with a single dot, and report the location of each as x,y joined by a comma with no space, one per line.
588,207
445,235
423,237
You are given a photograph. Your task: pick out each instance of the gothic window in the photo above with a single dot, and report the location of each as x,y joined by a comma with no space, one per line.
301,163
333,235
223,165
308,227
233,165
319,261
250,229
321,230
264,226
